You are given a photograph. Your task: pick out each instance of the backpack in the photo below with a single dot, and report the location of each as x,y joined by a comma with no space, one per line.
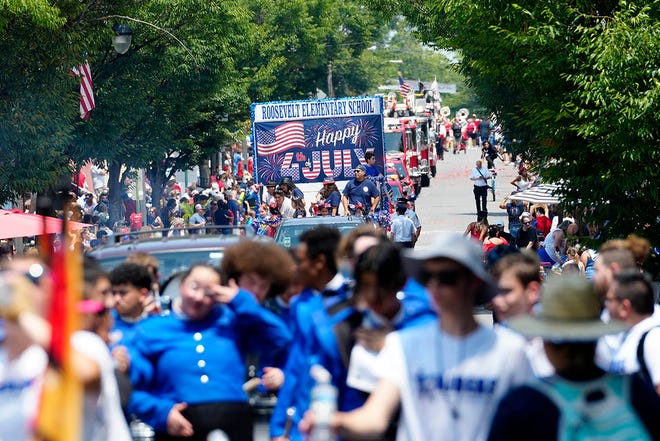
643,369
593,411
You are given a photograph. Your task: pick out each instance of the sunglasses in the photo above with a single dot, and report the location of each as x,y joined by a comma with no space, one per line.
527,223
448,278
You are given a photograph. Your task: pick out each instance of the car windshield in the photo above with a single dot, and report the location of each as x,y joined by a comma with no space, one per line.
288,235
393,142
396,192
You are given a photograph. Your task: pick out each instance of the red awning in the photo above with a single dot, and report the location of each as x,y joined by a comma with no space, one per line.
15,223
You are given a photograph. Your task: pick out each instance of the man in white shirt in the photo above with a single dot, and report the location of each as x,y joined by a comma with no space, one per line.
99,178
198,220
449,375
519,290
479,177
402,228
631,300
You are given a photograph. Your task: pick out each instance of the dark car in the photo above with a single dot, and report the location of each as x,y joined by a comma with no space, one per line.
175,254
289,231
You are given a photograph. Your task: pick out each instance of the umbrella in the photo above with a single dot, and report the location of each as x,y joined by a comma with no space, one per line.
538,194
15,223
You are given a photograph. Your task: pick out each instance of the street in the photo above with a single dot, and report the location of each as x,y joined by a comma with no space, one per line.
447,205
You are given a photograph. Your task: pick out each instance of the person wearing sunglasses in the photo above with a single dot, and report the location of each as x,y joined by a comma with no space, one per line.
527,237
443,373
360,190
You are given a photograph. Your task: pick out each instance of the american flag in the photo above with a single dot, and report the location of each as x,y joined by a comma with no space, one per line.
86,91
404,87
284,137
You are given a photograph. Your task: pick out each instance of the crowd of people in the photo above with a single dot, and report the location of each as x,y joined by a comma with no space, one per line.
394,328
573,351
233,203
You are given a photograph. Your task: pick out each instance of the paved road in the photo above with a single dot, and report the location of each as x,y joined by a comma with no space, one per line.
447,205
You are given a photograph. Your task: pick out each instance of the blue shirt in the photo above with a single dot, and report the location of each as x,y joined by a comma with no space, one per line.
372,170
202,361
333,199
361,192
402,228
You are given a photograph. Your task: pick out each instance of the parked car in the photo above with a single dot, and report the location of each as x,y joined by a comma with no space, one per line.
174,254
289,231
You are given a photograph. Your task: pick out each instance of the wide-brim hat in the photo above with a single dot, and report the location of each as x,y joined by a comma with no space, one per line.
462,250
570,312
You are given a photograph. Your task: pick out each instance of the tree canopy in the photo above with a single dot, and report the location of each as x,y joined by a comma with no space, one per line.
182,90
576,83
184,87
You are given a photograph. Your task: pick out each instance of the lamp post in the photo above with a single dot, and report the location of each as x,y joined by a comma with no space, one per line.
121,41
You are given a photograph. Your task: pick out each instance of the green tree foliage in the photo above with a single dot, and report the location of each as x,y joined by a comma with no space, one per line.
180,92
300,38
397,50
577,83
159,106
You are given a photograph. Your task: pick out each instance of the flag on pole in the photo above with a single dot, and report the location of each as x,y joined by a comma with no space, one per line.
60,409
435,89
404,88
86,90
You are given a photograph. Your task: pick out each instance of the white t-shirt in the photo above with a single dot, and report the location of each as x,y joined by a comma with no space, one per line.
538,360
449,386
21,381
103,419
287,209
618,353
98,177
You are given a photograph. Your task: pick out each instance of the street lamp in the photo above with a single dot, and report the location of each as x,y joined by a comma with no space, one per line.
122,38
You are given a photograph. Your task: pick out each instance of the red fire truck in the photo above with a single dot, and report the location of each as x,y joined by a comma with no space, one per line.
426,135
403,143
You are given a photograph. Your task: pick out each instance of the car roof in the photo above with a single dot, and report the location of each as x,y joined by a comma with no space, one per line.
174,254
295,227
163,244
325,220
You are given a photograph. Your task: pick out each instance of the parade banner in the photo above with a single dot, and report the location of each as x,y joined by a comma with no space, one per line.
310,141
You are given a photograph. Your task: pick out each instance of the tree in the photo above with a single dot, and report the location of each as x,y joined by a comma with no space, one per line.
576,82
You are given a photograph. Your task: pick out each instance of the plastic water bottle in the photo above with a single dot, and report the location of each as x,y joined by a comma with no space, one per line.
323,405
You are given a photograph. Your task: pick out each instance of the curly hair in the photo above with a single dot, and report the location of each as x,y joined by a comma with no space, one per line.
639,247
266,259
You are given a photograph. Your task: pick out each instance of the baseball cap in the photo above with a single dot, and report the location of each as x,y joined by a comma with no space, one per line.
360,167
328,181
199,207
465,251
499,223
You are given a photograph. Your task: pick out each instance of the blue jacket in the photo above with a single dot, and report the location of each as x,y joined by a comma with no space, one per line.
318,321
315,342
177,360
123,332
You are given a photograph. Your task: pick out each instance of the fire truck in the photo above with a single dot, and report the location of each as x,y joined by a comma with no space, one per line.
426,137
403,144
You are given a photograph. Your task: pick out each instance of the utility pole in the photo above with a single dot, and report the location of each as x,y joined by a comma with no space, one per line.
331,89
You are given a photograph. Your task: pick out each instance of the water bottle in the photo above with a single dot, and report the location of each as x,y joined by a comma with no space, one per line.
323,405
